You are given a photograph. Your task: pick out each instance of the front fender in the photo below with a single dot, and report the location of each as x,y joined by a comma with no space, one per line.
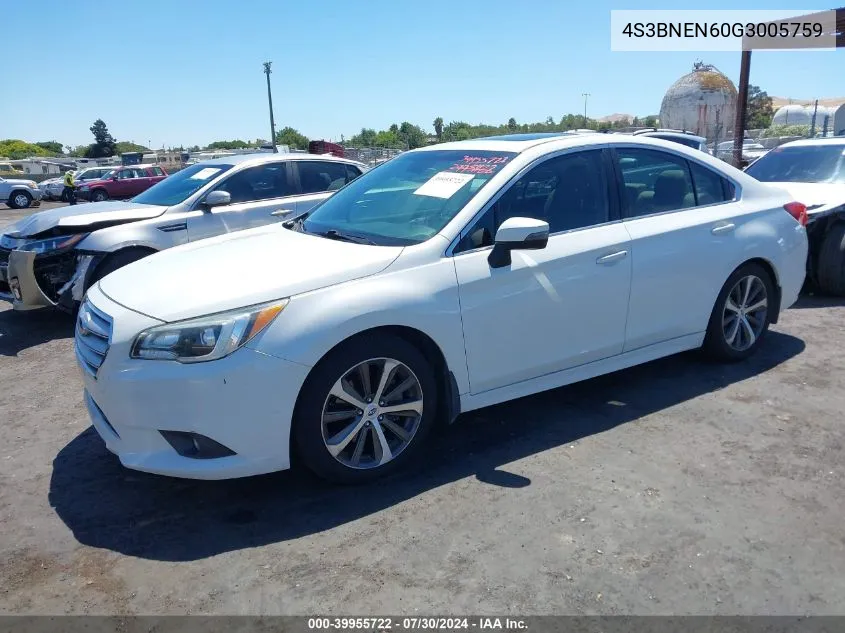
424,298
145,233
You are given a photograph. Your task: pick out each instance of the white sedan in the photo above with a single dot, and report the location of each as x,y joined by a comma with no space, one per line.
450,278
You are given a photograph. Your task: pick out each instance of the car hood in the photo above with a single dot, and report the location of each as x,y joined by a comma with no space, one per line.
240,269
95,181
82,217
21,182
818,196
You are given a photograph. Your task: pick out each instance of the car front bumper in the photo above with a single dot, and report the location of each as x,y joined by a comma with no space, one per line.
243,402
19,286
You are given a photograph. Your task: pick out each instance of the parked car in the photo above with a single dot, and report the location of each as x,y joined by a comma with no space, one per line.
813,171
121,182
19,193
53,189
452,277
751,151
50,258
676,136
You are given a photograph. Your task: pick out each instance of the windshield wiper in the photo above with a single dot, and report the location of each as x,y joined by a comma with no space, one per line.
334,234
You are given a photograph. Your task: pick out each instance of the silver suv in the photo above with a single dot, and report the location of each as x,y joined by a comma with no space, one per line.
19,194
52,257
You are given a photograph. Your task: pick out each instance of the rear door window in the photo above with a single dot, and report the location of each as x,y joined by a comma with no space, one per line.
710,187
261,182
322,176
654,181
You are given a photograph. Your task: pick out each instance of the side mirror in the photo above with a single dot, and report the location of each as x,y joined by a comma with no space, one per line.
217,199
114,178
517,234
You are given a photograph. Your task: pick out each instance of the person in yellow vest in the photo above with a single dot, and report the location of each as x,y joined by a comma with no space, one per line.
70,188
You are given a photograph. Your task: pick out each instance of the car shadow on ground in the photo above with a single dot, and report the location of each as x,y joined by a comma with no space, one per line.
818,301
161,518
23,330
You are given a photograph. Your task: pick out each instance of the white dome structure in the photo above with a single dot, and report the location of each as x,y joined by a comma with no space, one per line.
792,114
703,102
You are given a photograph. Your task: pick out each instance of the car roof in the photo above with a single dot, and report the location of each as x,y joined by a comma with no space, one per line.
672,134
518,142
830,140
268,157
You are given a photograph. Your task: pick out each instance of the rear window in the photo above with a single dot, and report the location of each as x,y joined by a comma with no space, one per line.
801,163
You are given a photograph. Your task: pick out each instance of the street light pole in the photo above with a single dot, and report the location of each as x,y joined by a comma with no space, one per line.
267,72
585,95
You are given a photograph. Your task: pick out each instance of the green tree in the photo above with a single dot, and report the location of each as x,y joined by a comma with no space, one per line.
54,147
234,144
438,128
16,149
104,143
292,138
759,112
786,130
512,124
367,138
129,146
650,121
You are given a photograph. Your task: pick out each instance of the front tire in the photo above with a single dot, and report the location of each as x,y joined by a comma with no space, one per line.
365,410
741,315
99,195
20,200
831,261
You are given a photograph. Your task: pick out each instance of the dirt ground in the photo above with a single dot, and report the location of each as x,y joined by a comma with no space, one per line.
678,487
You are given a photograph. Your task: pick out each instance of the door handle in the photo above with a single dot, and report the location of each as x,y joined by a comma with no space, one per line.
281,212
722,229
613,257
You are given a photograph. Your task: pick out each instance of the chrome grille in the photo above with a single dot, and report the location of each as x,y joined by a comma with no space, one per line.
93,337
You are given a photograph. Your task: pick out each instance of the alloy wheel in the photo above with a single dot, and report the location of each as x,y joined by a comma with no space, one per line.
21,200
744,316
372,413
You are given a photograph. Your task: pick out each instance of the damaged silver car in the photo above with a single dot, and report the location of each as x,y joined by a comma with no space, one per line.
49,259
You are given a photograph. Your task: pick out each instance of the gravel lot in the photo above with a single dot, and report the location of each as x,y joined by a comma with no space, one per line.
677,487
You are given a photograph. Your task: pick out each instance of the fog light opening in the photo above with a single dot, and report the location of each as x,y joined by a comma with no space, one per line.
195,446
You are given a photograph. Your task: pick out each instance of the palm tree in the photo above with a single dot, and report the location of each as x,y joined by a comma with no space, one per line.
438,128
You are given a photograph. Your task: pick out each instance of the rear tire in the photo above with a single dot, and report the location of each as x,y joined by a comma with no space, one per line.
830,270
20,200
350,443
118,260
99,195
735,332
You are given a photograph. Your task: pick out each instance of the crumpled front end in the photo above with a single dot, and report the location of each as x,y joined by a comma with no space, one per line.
30,280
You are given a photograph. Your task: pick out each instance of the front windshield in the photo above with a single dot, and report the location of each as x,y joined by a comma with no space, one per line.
801,163
408,199
181,185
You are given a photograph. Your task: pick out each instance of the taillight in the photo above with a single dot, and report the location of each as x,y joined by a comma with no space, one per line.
797,211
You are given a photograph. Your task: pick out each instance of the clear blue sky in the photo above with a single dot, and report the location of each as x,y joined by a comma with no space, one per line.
187,72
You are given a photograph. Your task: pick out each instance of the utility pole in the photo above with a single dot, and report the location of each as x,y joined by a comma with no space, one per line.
585,95
741,107
267,72
813,124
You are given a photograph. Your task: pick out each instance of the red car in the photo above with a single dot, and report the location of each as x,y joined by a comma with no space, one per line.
121,182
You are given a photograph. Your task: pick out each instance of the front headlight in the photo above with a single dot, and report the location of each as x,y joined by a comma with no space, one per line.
32,184
84,188
205,338
53,244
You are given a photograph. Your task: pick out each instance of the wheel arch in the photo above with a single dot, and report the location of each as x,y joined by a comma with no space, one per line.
773,274
102,258
449,402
